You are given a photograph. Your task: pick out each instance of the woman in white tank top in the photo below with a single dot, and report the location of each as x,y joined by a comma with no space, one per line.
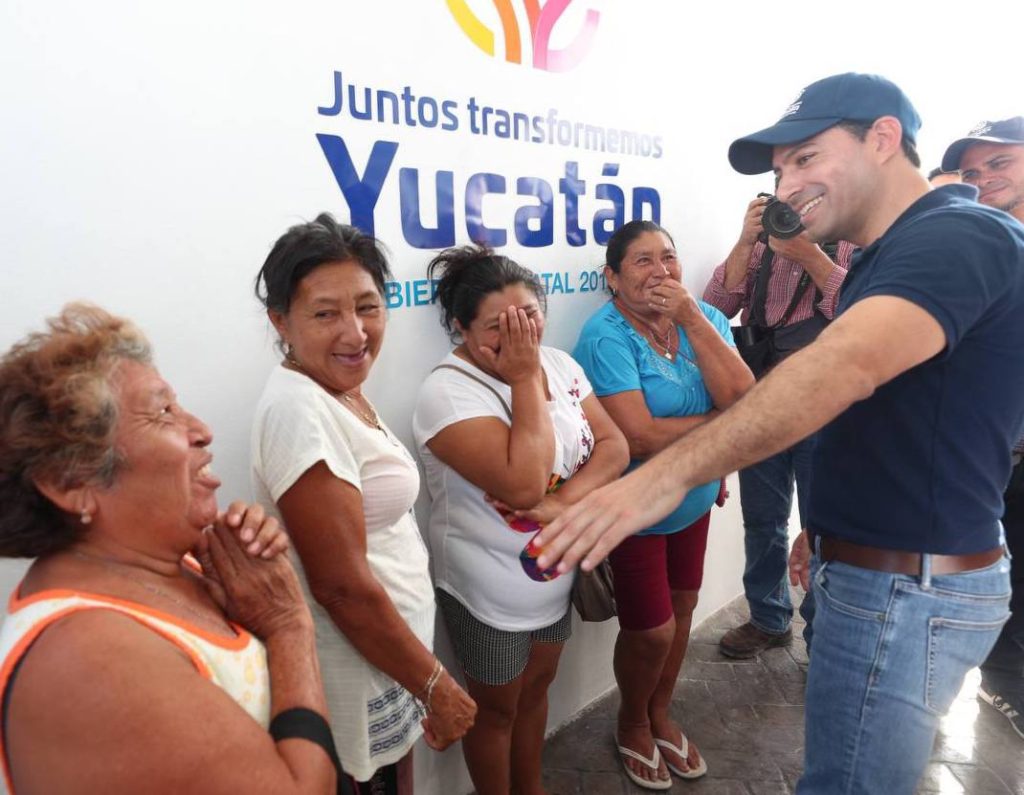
126,666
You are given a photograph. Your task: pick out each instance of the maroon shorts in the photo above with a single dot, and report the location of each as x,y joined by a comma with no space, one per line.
646,570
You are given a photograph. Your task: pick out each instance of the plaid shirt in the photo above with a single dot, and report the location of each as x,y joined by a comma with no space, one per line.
781,287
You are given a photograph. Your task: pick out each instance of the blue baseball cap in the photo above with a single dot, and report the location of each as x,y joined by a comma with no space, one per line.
1005,131
846,97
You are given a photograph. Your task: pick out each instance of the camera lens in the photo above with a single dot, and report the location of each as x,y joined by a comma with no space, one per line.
780,220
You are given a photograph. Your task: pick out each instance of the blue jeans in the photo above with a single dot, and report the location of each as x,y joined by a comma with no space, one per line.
890,655
766,497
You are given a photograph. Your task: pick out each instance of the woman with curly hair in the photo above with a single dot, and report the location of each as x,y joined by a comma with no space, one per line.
127,666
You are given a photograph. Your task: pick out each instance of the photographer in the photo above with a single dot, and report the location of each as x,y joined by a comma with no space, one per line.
782,311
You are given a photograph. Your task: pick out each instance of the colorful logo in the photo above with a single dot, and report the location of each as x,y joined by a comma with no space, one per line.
542,21
528,560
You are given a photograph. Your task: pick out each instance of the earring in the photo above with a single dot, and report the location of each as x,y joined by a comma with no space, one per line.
85,517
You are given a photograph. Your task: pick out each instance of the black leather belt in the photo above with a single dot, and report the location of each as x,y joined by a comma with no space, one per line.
895,561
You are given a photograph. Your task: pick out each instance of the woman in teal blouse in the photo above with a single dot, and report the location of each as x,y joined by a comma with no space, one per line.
661,362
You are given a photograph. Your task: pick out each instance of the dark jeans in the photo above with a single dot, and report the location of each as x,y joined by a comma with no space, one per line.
1003,670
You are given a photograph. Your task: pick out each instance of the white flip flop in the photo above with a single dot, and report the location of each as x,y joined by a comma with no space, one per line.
651,764
682,751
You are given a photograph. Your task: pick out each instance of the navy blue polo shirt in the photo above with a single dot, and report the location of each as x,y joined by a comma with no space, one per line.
922,464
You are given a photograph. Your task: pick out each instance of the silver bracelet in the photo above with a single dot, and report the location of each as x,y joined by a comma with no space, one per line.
427,692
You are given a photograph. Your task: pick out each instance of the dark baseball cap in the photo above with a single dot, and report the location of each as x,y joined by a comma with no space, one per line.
846,97
1006,131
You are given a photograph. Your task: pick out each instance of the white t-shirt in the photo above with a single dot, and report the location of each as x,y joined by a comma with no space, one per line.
375,720
475,553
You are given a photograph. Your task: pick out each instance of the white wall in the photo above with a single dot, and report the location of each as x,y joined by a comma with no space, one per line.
150,154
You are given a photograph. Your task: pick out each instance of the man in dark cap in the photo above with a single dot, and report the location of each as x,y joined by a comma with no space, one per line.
992,159
917,385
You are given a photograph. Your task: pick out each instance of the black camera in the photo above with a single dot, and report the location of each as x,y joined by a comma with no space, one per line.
779,219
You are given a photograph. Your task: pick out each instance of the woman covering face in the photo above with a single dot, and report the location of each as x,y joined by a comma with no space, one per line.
510,434
661,363
344,486
128,666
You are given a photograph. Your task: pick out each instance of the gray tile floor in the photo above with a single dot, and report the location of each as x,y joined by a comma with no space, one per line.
747,719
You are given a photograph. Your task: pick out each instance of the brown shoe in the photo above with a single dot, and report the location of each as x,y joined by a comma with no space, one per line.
746,641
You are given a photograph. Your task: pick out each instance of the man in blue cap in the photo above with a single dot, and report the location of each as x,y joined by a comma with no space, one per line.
916,387
992,159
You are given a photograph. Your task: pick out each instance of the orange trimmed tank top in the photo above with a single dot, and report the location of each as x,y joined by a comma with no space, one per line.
237,665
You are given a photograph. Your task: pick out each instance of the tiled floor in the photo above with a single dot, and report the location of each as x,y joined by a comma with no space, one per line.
747,719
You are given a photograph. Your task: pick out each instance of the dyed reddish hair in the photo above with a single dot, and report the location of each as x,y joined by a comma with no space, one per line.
58,418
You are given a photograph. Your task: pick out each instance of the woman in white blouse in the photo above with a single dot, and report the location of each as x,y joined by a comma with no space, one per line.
510,434
345,486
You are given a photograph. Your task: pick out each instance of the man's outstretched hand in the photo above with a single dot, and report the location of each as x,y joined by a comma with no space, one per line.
586,532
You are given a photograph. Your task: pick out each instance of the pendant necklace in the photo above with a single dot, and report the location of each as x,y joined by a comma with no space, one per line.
660,341
664,343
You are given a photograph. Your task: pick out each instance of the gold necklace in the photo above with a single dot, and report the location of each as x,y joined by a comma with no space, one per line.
370,417
112,565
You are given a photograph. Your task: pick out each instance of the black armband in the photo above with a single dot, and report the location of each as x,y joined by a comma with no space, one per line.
306,724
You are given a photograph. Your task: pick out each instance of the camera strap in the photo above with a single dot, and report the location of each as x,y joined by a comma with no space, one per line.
760,296
758,312
798,295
